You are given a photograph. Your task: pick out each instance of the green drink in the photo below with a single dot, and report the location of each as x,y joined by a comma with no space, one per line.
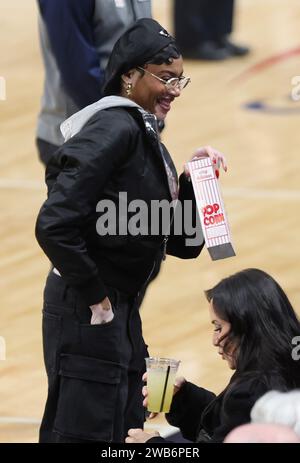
161,374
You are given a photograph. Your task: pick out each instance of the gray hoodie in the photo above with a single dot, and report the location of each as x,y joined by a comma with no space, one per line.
74,124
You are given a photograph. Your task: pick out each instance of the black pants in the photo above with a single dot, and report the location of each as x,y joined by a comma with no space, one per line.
45,150
200,20
94,371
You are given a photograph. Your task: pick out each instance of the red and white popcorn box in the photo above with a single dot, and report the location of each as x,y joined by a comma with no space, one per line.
211,209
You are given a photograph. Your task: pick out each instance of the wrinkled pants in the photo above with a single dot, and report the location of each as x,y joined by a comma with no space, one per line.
94,371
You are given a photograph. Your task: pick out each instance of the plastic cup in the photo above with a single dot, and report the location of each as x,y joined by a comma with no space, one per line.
161,374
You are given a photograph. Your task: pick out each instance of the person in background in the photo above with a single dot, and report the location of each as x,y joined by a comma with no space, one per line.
202,29
254,324
275,418
262,434
278,408
76,39
93,344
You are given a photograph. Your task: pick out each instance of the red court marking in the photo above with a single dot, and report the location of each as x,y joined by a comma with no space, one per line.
266,63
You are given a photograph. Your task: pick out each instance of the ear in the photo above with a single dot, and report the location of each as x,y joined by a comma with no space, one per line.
130,77
127,77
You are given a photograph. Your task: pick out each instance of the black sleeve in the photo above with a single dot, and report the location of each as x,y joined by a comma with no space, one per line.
187,407
186,237
237,407
88,160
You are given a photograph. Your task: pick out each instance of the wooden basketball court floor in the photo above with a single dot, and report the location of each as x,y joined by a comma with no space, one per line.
261,192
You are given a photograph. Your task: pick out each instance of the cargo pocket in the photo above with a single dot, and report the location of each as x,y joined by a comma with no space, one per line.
87,397
51,340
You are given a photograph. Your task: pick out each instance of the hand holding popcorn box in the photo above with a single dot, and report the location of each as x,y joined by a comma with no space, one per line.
211,209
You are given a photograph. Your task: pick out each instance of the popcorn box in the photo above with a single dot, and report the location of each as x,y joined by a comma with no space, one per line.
211,209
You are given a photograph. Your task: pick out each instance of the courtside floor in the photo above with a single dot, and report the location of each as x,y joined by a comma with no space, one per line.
248,108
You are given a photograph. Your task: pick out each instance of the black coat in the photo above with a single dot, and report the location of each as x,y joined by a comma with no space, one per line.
204,417
116,151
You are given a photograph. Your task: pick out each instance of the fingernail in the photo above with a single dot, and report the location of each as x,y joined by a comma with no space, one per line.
217,173
214,161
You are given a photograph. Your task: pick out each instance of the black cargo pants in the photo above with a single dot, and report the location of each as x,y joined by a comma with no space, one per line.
94,371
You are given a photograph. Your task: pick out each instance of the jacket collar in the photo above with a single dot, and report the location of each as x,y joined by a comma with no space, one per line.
74,124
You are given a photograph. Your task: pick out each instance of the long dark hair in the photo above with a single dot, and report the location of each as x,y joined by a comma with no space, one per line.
263,325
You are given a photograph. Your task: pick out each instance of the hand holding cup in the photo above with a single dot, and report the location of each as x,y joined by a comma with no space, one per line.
177,384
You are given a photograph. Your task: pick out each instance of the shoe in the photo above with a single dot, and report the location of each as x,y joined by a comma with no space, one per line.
208,50
232,48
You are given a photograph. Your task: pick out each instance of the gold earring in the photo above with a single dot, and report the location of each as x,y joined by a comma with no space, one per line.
128,89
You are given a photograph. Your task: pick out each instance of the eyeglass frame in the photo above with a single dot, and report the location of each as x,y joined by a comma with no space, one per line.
168,83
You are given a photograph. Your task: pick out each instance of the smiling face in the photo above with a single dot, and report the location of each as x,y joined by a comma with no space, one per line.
150,93
221,330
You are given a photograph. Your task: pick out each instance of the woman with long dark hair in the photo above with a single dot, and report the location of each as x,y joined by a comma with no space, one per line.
254,328
262,326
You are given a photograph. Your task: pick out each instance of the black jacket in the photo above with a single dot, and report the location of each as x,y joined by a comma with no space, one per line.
204,417
116,151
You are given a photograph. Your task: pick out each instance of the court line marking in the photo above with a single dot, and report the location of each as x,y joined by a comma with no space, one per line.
22,184
267,108
284,195
255,69
266,63
280,194
18,420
